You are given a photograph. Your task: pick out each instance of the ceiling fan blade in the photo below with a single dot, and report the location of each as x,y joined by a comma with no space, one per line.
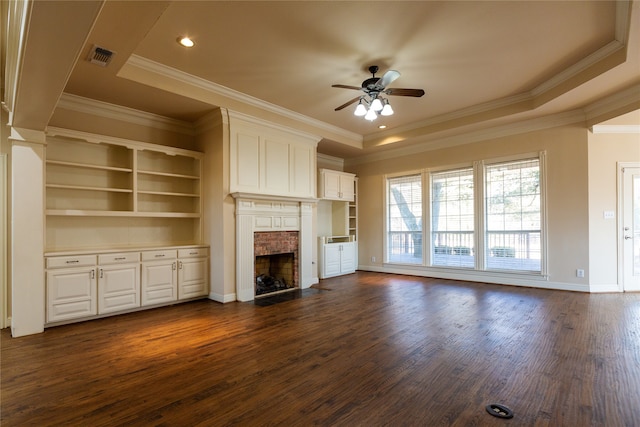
347,87
388,78
405,92
346,104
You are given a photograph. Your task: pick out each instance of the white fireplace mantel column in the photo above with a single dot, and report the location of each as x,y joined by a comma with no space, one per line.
257,213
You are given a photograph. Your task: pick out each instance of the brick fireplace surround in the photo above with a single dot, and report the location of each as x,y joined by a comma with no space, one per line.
277,242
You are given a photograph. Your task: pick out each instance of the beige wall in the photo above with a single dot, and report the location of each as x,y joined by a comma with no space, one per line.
85,122
567,194
605,151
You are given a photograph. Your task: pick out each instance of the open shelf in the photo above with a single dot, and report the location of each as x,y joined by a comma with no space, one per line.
120,193
88,166
173,175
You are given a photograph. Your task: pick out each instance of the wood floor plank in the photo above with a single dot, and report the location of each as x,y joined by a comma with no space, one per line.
366,349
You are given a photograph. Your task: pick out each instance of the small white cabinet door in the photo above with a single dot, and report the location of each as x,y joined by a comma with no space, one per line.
71,294
159,282
192,278
347,258
331,265
118,287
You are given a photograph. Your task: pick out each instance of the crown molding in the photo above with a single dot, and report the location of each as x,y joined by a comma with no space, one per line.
267,124
619,100
454,115
334,162
626,129
431,143
117,112
211,120
208,86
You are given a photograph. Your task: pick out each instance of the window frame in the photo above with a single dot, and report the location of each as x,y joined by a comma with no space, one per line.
385,243
479,186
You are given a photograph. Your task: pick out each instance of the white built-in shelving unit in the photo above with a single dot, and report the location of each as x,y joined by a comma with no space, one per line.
123,225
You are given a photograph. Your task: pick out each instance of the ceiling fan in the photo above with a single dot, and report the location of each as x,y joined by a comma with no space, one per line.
372,102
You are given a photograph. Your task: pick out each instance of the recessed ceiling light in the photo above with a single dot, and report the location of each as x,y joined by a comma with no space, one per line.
185,41
382,127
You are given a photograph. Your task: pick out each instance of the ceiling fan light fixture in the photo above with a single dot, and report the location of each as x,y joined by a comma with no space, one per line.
361,110
376,104
371,115
386,110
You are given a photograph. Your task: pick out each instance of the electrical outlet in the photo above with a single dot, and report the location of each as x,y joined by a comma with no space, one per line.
373,259
579,272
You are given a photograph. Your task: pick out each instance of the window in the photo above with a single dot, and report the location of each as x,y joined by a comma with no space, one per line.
484,217
452,218
513,216
404,219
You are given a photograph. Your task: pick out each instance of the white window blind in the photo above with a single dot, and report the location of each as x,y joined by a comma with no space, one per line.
452,218
513,216
404,216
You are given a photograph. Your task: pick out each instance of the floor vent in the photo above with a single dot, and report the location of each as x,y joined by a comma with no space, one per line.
100,56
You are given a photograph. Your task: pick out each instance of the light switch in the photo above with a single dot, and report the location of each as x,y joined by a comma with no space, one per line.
609,215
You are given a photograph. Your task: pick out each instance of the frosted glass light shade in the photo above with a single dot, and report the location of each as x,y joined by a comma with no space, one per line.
371,115
361,110
387,110
376,104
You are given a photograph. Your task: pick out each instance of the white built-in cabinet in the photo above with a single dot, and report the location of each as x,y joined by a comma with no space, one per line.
118,282
337,256
71,288
122,217
270,160
337,223
336,185
85,285
192,272
159,277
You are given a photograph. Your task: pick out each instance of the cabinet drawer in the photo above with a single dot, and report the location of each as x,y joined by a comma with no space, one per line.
193,253
120,258
71,261
158,255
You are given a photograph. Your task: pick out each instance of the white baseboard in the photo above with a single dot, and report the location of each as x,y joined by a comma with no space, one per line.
604,288
222,298
480,276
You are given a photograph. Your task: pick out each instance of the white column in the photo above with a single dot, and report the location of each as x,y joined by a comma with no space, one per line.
244,252
27,232
305,249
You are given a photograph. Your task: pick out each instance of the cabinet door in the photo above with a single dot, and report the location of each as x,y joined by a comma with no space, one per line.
331,260
192,278
347,258
118,288
159,282
331,186
71,293
347,188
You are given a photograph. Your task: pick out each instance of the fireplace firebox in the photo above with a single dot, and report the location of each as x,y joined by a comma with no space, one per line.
276,261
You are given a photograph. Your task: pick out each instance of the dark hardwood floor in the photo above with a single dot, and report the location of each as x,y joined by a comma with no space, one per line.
366,349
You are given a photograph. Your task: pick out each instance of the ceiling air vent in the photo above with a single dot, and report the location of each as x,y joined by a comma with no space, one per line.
100,56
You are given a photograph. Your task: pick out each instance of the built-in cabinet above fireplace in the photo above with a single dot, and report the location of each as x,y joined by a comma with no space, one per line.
270,160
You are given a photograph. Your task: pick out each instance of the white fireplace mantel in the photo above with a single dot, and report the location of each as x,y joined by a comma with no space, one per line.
262,213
